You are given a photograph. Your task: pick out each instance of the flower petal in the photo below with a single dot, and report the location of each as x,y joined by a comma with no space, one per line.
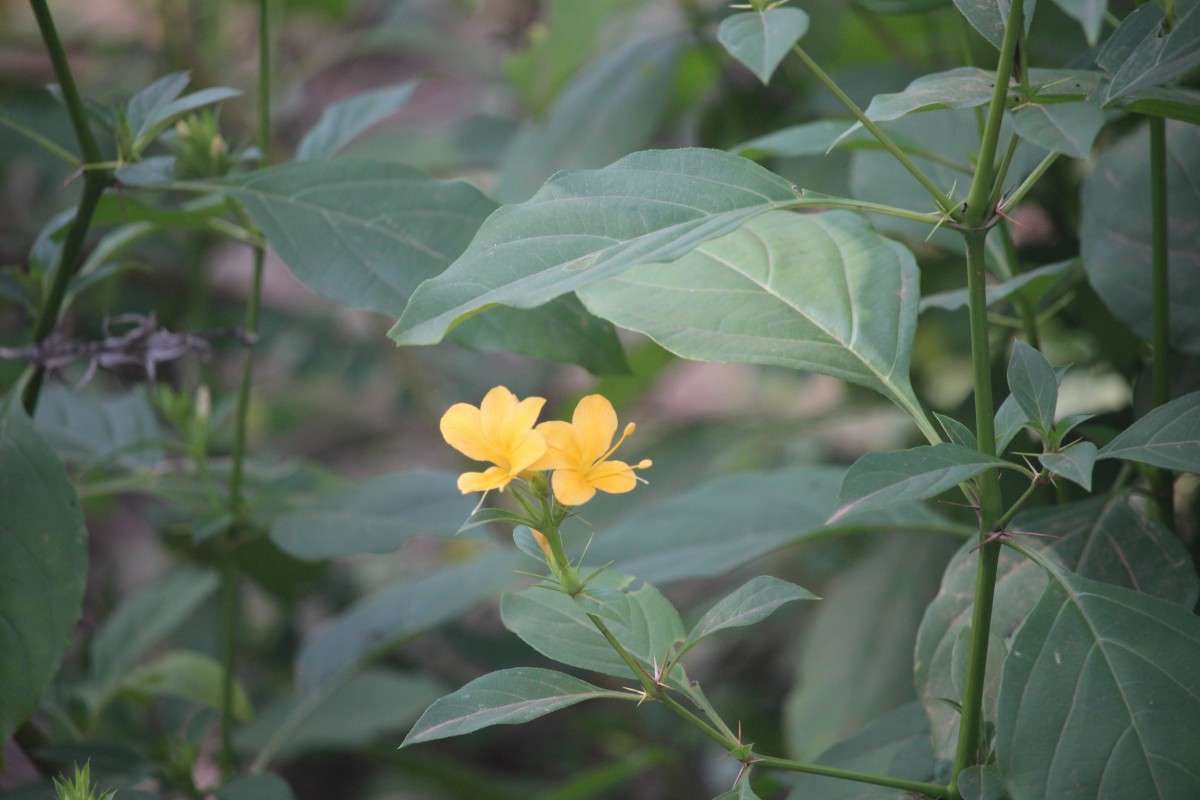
462,430
562,446
570,488
525,453
596,422
518,422
614,477
491,478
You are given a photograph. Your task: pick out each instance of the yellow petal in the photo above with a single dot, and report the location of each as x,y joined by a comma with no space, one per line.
491,478
562,446
517,423
596,422
570,488
462,430
526,452
614,477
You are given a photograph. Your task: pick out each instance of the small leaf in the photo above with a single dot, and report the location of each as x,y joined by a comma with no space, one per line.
740,792
163,114
375,516
191,676
1167,437
1010,419
881,479
1068,128
1032,382
990,17
1099,696
1031,285
347,119
557,627
1089,13
753,602
982,783
957,432
507,697
586,225
43,565
150,101
1138,55
761,39
1073,463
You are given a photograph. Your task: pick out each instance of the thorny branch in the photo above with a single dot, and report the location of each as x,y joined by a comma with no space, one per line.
144,343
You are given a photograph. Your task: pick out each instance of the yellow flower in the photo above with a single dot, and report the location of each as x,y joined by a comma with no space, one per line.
500,431
578,453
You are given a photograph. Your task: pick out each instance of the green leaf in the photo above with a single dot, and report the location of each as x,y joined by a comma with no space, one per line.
727,522
957,432
761,39
740,792
1090,14
1073,463
1010,420
389,617
191,676
375,516
1100,696
753,602
882,479
1138,55
1031,285
92,431
43,565
507,697
145,619
344,121
896,745
856,665
1105,538
982,783
1172,102
642,620
260,786
611,108
1167,437
369,706
817,292
962,87
1068,128
586,225
151,100
1115,232
1033,384
159,104
362,233
989,17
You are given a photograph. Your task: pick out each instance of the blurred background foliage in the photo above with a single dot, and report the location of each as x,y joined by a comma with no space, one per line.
504,93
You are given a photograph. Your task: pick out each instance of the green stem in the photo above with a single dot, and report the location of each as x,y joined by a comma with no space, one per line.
1030,181
644,678
919,787
946,204
1002,523
708,730
811,199
229,619
94,184
1025,308
41,141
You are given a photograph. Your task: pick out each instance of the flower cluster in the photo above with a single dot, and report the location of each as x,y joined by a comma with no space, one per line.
502,431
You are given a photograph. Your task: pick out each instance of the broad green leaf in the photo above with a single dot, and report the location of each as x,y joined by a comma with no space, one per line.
146,618
855,662
1105,538
1031,285
369,706
558,627
1115,227
347,119
611,108
1168,437
882,479
982,783
1090,14
375,516
990,16
389,617
1100,696
507,697
1073,463
255,786
362,233
43,565
91,431
817,292
807,139
586,225
1172,102
191,676
896,745
761,39
753,602
1068,128
1139,56
727,522
1033,384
